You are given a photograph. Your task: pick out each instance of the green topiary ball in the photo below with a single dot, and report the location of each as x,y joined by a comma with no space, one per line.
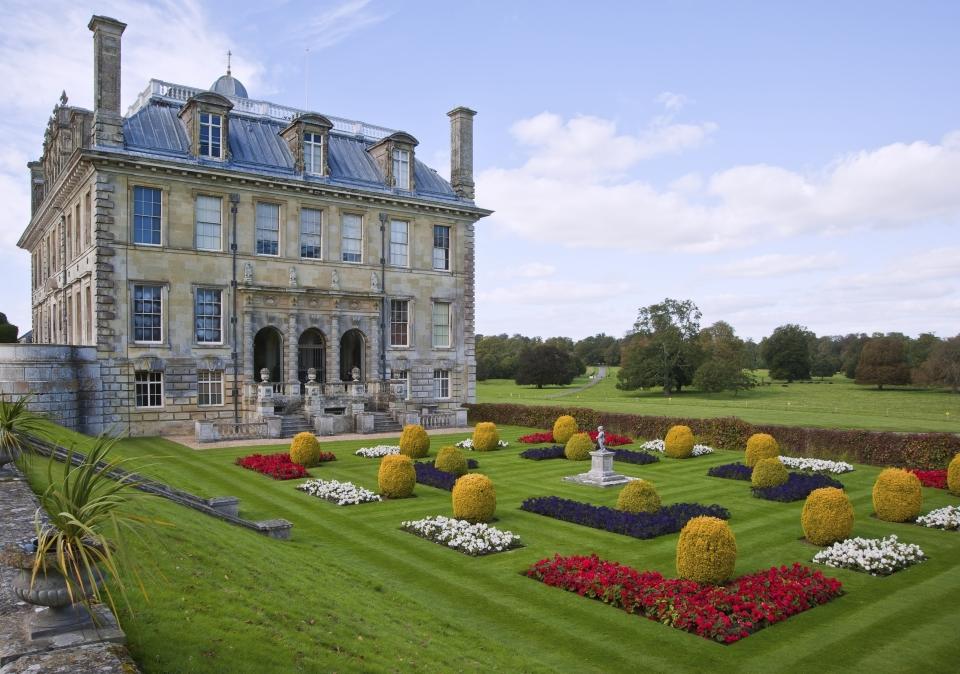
396,476
414,441
897,496
474,498
639,496
451,460
679,442
768,473
760,446
305,449
706,550
953,476
578,447
564,428
827,516
485,437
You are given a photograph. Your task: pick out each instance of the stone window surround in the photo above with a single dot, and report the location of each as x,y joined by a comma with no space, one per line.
382,153
164,212
164,314
210,103
149,384
281,219
214,122
324,237
293,134
224,198
224,317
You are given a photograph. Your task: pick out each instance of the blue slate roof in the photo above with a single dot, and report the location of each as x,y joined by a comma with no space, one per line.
155,129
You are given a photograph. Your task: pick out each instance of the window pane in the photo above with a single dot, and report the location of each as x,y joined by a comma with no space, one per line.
312,153
398,243
399,322
441,247
441,383
210,135
351,233
147,313
209,387
208,223
148,389
311,221
207,315
441,324
268,229
146,215
401,169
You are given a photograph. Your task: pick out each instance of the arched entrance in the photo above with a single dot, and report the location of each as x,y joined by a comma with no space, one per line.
311,352
351,354
268,353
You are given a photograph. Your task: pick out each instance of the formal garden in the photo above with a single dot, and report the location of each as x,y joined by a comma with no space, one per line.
468,552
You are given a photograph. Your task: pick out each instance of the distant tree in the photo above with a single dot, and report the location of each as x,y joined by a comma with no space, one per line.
667,352
594,350
883,361
751,355
612,354
942,366
543,364
8,332
825,359
497,355
722,366
787,352
850,347
919,349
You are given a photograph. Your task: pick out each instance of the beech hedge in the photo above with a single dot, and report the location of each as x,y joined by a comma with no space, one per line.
878,448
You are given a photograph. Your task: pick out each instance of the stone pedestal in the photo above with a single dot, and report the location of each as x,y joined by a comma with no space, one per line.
601,472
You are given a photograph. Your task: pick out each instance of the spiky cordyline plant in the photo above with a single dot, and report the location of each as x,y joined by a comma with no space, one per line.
83,537
17,422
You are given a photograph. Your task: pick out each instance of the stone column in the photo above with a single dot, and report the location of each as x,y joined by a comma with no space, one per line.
333,350
247,351
292,354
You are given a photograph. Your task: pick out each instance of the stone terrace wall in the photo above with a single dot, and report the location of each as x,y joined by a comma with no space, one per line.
64,380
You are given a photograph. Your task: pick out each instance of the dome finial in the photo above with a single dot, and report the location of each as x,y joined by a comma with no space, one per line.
229,54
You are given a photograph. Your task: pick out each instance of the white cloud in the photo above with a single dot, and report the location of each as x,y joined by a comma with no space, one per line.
556,293
332,26
779,264
671,101
577,174
531,270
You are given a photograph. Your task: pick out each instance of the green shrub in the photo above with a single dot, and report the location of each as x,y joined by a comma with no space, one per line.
578,447
679,442
638,496
706,550
451,460
485,437
474,498
564,428
414,441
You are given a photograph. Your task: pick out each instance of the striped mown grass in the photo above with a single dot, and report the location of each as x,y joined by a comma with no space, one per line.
352,592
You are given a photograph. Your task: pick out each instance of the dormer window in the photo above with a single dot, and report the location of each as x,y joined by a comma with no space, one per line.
401,169
211,135
313,153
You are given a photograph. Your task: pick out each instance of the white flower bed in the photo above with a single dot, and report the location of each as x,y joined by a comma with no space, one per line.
942,518
660,446
341,493
816,465
378,451
468,444
470,539
876,556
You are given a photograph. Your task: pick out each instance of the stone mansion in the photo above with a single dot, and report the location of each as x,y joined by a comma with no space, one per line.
233,267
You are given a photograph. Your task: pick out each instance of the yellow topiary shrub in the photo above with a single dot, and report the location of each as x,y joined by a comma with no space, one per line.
563,429
768,473
305,449
451,460
953,476
414,441
760,446
578,447
485,437
679,442
706,550
638,496
827,516
396,476
897,496
474,498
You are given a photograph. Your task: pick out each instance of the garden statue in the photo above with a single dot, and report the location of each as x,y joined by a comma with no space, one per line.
247,273
601,438
374,283
335,280
293,277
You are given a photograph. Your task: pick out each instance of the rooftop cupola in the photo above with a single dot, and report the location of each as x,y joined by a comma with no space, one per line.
228,85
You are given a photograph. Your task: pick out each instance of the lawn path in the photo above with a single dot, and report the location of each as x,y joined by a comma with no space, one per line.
601,374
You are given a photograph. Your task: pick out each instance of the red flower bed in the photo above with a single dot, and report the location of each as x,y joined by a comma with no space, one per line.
326,456
931,478
612,439
278,466
723,613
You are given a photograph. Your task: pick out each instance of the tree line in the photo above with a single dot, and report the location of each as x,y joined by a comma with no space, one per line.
667,348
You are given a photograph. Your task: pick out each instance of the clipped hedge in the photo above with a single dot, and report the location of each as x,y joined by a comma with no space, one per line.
877,448
474,498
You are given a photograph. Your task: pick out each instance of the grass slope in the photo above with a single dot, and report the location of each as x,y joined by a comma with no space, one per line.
351,592
837,404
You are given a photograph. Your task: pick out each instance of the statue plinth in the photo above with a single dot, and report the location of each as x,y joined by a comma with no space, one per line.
601,473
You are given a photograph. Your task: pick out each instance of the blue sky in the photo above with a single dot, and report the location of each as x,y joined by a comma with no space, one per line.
775,163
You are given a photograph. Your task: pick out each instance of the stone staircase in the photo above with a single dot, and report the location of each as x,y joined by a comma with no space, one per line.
384,423
293,423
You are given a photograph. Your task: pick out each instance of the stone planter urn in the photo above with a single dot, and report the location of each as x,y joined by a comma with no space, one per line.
48,589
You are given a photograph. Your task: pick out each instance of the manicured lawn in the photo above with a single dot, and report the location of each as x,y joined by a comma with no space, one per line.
834,403
351,592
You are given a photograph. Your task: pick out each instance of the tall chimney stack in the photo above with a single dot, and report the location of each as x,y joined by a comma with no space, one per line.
107,122
461,151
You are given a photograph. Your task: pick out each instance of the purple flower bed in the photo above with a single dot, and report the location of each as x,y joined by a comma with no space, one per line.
543,453
731,471
798,486
631,456
432,476
667,520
